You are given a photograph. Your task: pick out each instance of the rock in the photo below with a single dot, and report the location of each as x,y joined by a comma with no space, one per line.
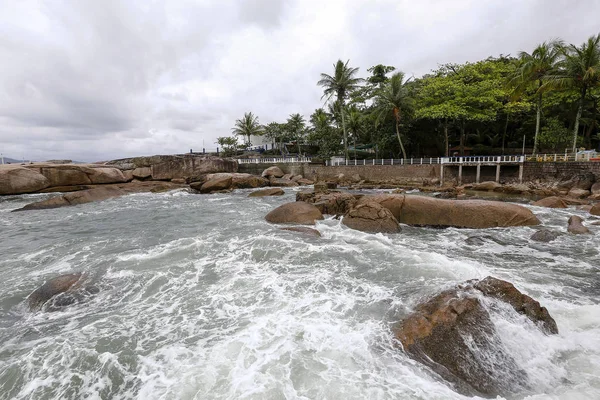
595,189
216,184
106,175
331,185
578,193
273,171
63,290
515,189
596,223
240,181
340,178
551,202
594,197
184,166
371,218
296,178
287,176
128,174
488,185
442,332
179,181
479,240
65,189
142,173
303,229
304,182
282,182
544,235
583,181
576,226
320,187
571,201
267,192
333,203
297,212
587,207
356,178
427,211
595,210
18,180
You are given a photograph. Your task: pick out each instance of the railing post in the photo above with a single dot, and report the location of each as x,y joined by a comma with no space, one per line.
346,161
355,161
364,161
373,161
382,161
421,160
411,161
392,161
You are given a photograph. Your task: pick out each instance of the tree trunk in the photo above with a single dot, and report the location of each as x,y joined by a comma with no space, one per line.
577,118
590,129
399,138
354,140
538,118
505,130
344,128
446,137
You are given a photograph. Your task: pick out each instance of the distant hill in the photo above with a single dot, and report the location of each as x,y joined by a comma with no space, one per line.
8,160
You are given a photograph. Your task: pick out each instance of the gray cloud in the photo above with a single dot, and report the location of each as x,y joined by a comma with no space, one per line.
92,80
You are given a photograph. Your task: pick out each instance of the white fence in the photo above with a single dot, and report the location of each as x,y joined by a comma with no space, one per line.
430,160
275,160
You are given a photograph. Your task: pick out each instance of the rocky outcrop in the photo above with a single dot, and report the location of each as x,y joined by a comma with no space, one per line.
18,180
61,291
544,235
142,173
267,192
551,202
297,212
303,229
427,211
576,226
332,203
239,180
580,181
453,334
176,166
273,171
372,218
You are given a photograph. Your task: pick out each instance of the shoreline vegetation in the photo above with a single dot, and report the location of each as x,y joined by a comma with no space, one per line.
543,101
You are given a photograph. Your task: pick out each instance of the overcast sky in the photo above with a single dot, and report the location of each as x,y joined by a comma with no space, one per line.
102,79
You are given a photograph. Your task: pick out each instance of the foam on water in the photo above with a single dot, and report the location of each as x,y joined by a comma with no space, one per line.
201,298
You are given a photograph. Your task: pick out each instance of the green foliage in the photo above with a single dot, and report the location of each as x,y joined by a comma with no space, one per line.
228,144
554,136
247,127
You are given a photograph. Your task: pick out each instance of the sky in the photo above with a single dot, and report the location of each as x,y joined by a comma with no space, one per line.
92,80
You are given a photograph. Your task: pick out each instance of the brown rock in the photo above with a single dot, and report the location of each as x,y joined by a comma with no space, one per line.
544,235
142,173
179,181
18,180
267,192
321,187
128,174
333,203
239,180
578,193
488,185
216,184
576,226
282,182
297,212
304,182
372,218
551,202
595,189
288,176
583,181
427,211
595,210
303,229
105,175
296,178
273,171
63,290
65,189
441,333
184,166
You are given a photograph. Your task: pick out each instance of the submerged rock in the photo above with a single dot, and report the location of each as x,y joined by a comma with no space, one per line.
576,226
453,334
297,212
544,235
371,218
303,229
333,203
62,291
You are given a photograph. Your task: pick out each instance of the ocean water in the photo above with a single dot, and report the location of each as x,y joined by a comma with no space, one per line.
201,298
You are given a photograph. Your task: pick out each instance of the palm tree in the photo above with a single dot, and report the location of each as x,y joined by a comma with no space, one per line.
297,128
533,69
579,69
393,98
248,126
342,82
354,124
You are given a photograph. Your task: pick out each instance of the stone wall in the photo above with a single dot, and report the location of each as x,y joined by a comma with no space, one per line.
533,171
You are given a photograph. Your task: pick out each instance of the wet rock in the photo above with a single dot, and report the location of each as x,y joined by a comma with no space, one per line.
488,185
62,291
578,193
267,192
321,187
280,182
595,210
287,176
273,171
18,180
478,240
595,189
303,229
453,334
297,212
332,203
544,235
371,218
304,182
551,202
576,226
216,184
427,211
241,181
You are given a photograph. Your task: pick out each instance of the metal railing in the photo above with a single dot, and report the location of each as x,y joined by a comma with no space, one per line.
274,160
566,157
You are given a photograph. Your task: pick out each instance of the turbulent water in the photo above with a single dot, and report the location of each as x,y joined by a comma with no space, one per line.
201,298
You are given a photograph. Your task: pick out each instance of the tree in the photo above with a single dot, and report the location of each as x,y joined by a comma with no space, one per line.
296,127
392,99
579,69
228,144
323,134
340,83
354,118
247,127
532,70
276,132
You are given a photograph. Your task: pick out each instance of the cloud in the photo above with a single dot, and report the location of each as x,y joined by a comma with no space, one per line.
91,80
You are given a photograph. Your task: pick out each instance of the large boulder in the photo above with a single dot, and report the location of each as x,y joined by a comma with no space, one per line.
297,212
61,291
575,226
185,166
216,184
280,182
267,192
544,235
238,180
551,202
427,211
488,185
372,218
142,173
595,189
453,334
595,210
66,175
273,171
333,203
18,180
578,193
